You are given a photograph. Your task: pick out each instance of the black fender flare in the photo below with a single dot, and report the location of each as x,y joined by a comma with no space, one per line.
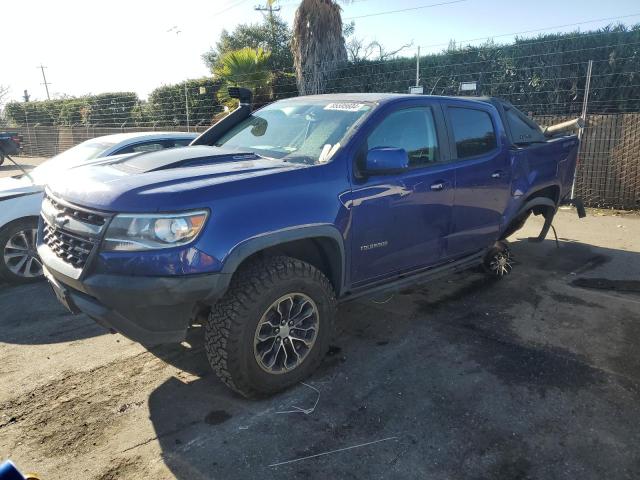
550,208
272,239
537,202
549,213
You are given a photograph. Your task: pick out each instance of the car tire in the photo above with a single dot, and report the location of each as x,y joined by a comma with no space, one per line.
1,159
19,261
249,346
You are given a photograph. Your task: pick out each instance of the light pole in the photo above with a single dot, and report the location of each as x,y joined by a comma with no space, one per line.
175,30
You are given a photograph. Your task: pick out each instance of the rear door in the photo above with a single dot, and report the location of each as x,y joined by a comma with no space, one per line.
483,175
401,220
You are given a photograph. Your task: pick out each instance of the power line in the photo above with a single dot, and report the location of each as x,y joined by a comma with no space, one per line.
230,7
388,12
606,19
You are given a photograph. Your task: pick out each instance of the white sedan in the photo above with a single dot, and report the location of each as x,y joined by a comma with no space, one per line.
20,197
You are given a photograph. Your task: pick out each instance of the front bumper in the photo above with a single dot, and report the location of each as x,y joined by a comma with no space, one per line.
148,310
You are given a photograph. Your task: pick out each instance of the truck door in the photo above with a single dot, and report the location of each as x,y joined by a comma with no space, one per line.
401,220
480,157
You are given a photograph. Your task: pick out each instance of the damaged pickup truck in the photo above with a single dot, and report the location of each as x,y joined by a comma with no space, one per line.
271,217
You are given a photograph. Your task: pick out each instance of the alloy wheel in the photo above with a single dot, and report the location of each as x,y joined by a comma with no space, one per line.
20,254
286,333
501,263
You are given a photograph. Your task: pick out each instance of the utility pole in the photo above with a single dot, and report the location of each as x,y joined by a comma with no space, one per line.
269,7
44,78
175,30
186,104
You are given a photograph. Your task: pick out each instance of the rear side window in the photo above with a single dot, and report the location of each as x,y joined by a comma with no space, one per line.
473,132
521,130
143,147
412,129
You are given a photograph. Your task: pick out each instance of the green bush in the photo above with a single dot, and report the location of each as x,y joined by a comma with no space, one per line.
166,104
542,75
106,109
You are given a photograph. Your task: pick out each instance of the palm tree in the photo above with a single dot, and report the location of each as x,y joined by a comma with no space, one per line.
248,68
318,45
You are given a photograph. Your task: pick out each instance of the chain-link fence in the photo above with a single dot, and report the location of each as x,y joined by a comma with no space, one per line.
545,78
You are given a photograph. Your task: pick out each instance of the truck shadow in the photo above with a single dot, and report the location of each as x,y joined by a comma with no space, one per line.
449,373
31,315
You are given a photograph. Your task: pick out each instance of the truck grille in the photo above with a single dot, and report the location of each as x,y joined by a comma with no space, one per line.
70,248
71,233
82,215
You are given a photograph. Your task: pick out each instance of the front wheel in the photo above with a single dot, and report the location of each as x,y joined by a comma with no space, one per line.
19,261
272,327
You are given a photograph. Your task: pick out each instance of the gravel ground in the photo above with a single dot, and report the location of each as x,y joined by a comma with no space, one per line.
535,376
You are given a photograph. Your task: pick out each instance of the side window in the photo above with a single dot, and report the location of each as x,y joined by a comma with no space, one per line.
142,147
521,131
473,131
183,142
412,129
148,147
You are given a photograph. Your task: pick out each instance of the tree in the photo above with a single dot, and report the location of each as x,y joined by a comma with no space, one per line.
167,104
4,91
272,35
245,67
318,44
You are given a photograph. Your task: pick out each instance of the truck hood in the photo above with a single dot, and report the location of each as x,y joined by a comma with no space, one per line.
149,182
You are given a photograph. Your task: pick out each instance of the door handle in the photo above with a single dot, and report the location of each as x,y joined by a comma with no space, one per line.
497,174
437,186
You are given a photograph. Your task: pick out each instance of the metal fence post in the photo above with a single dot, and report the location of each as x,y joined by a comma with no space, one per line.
418,67
186,104
585,104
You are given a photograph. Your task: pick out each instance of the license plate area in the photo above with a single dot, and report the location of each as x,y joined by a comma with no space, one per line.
62,294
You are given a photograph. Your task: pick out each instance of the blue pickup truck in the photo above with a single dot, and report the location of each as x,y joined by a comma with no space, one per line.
271,217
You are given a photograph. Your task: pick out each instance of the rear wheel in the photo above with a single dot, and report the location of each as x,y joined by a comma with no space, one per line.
19,261
272,327
498,261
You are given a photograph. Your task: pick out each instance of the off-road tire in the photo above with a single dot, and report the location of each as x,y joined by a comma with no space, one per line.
231,324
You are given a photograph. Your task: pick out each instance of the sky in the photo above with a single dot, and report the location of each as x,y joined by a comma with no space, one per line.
91,47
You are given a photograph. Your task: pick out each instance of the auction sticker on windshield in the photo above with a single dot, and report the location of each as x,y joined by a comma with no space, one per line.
345,106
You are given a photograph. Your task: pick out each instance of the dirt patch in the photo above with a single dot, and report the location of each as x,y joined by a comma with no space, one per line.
122,469
77,413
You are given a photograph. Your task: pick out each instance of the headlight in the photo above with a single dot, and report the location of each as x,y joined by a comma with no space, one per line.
131,232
